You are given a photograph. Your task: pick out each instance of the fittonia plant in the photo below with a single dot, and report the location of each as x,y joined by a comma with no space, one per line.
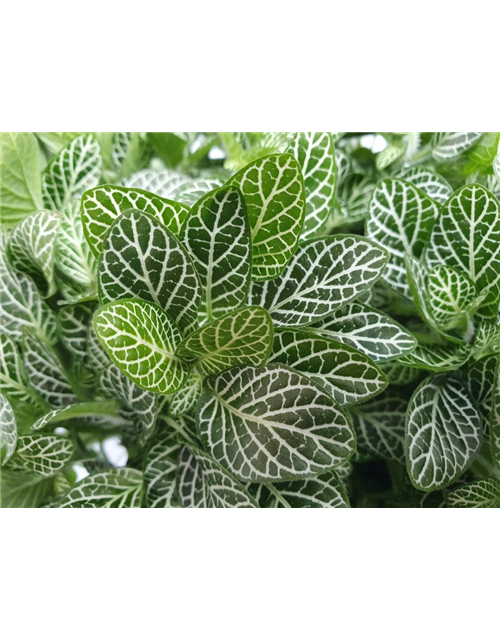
261,320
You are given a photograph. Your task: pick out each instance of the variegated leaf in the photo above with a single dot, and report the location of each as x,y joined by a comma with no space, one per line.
480,494
315,153
42,454
160,471
141,339
98,359
244,336
437,357
189,193
446,146
451,296
102,205
430,182
495,420
21,490
272,424
81,410
8,430
326,491
398,375
322,276
343,164
217,236
75,262
73,323
142,259
367,330
75,169
184,400
487,337
114,488
401,220
480,380
162,183
273,188
443,433
348,375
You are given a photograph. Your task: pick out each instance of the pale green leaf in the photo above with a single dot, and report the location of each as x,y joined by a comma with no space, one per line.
20,490
495,420
487,337
115,488
81,410
480,494
160,471
43,454
162,183
326,491
451,297
75,262
480,380
437,357
8,430
184,400
73,323
446,146
352,203
398,375
189,193
430,182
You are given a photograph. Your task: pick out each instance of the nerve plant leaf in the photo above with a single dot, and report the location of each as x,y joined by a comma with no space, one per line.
102,205
350,377
446,146
217,236
142,259
326,491
451,295
401,220
184,400
115,488
437,357
242,337
43,454
480,378
141,339
480,494
162,183
8,430
273,188
495,420
73,324
75,262
443,433
23,489
322,276
272,424
430,182
81,410
160,471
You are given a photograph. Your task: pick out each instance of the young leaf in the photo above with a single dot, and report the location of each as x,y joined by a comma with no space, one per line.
160,471
8,430
443,433
367,330
102,205
436,357
20,490
272,424
322,276
431,183
487,338
346,374
480,494
45,455
273,189
75,169
451,295
326,491
73,323
20,183
446,146
81,410
115,488
480,380
32,245
467,237
189,193
401,220
184,400
352,201
495,420
217,236
242,337
142,259
380,427
398,375
75,262
315,153
141,339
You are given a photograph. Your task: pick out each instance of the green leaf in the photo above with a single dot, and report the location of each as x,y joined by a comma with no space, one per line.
273,189
367,330
480,380
430,182
352,201
443,433
80,410
8,430
451,297
138,406
272,424
102,205
480,494
142,259
217,236
380,427
23,490
467,237
75,262
45,372
75,169
244,336
160,471
315,153
189,193
55,141
184,400
322,276
162,183
73,323
32,245
398,375
348,375
436,357
326,491
446,146
487,338
401,220
42,454
115,488
141,339
495,420
20,184
171,147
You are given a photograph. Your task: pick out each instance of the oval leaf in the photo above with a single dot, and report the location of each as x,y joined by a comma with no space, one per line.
8,430
116,488
160,471
481,494
45,455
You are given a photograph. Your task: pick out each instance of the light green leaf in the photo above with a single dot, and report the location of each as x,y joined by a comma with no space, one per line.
75,169
272,424
315,153
352,201
162,183
273,189
495,420
115,488
20,184
487,338
73,323
80,410
480,380
42,454
75,262
142,259
467,237
189,193
401,220
160,471
138,406
430,182
480,494
496,164
217,236
32,245
102,205
343,164
8,430
141,339
348,375
184,400
451,297
21,490
380,427
446,146
443,433
398,375
326,491
244,336
367,330
322,276
55,141
97,356
437,357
